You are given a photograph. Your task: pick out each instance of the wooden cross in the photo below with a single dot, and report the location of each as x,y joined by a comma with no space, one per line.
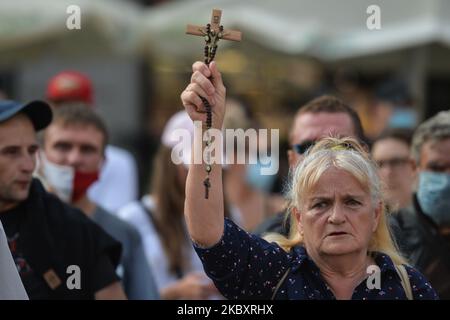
232,35
212,33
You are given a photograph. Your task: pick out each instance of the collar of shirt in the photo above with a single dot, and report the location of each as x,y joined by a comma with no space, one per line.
301,259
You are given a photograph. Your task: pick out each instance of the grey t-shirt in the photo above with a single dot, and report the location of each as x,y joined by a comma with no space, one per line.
136,274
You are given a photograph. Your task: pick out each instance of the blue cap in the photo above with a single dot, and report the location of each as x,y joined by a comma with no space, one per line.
38,111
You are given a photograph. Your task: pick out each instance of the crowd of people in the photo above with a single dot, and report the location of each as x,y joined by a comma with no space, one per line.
74,227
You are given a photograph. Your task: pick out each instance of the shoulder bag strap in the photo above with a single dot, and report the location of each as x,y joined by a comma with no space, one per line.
406,284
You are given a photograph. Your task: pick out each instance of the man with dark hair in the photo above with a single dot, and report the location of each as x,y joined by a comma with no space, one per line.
332,104
59,253
424,227
74,149
391,150
321,117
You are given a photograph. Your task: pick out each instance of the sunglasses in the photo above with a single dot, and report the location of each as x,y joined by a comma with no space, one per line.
392,163
301,148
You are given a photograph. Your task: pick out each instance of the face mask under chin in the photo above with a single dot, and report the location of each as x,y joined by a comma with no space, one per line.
67,183
82,182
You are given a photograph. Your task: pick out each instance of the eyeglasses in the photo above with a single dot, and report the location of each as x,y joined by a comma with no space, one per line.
301,148
392,163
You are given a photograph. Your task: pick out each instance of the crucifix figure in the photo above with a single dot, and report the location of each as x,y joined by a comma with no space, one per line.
212,33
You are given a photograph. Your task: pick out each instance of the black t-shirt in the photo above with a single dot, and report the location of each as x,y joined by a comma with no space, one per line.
34,284
447,238
45,234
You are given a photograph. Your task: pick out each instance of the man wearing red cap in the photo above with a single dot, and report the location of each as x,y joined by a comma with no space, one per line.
118,183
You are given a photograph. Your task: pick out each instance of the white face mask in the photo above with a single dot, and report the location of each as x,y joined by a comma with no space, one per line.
58,178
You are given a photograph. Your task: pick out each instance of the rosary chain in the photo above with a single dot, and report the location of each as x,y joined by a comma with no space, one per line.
211,39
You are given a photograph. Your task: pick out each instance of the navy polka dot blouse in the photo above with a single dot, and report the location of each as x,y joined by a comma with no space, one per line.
244,266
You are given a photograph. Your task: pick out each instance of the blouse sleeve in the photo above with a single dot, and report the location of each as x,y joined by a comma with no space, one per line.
421,288
244,266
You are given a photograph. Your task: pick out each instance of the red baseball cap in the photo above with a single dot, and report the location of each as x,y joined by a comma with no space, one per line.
70,86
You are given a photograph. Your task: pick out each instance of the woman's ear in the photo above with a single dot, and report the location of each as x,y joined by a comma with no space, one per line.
298,219
378,212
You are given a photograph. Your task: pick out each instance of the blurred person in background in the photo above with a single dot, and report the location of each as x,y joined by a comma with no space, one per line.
391,151
246,189
48,239
424,227
73,154
118,181
357,89
395,98
159,218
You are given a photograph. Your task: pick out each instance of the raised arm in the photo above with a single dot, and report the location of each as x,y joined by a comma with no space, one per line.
204,217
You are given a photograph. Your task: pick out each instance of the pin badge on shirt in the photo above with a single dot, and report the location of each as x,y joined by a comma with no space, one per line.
52,279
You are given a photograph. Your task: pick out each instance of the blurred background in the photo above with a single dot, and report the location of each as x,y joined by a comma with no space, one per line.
139,59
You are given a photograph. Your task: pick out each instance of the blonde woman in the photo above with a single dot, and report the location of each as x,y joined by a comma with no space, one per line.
339,234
